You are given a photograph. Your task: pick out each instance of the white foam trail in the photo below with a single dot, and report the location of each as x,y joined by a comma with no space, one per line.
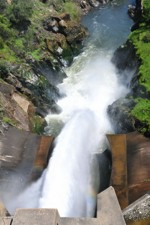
66,182
71,177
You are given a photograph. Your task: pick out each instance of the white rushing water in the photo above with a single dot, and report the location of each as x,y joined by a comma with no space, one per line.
72,178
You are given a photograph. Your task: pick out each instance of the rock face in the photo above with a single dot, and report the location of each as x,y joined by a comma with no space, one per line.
65,37
16,110
127,64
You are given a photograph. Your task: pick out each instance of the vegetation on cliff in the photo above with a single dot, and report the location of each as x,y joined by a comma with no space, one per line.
22,34
35,37
133,60
141,41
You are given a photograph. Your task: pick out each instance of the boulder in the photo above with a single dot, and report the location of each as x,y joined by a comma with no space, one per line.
125,57
26,105
120,111
12,113
51,24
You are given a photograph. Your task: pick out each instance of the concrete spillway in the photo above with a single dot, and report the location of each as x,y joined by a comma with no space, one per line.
130,166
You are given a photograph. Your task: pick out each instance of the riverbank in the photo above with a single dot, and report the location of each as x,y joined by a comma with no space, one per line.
133,111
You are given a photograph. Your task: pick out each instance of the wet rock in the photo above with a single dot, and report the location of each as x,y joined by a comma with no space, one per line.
135,12
120,111
94,3
85,6
125,57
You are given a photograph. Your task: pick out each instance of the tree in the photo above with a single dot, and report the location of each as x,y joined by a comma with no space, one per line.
5,31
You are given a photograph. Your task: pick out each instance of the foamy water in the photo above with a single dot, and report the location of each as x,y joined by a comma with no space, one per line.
72,179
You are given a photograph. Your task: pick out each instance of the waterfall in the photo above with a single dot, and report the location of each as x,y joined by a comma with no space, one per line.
72,178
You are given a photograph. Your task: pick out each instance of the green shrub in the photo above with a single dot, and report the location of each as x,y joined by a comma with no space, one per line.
5,30
19,13
9,121
37,124
36,54
141,41
141,112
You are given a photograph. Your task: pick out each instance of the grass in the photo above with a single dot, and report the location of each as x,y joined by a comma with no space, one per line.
37,124
7,54
72,8
9,121
36,54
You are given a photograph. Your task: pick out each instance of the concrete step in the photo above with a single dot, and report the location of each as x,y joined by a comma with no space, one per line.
36,217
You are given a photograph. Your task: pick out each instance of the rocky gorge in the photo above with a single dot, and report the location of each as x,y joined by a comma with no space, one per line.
38,39
36,44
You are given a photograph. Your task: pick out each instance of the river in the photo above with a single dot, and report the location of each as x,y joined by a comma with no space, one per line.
72,179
